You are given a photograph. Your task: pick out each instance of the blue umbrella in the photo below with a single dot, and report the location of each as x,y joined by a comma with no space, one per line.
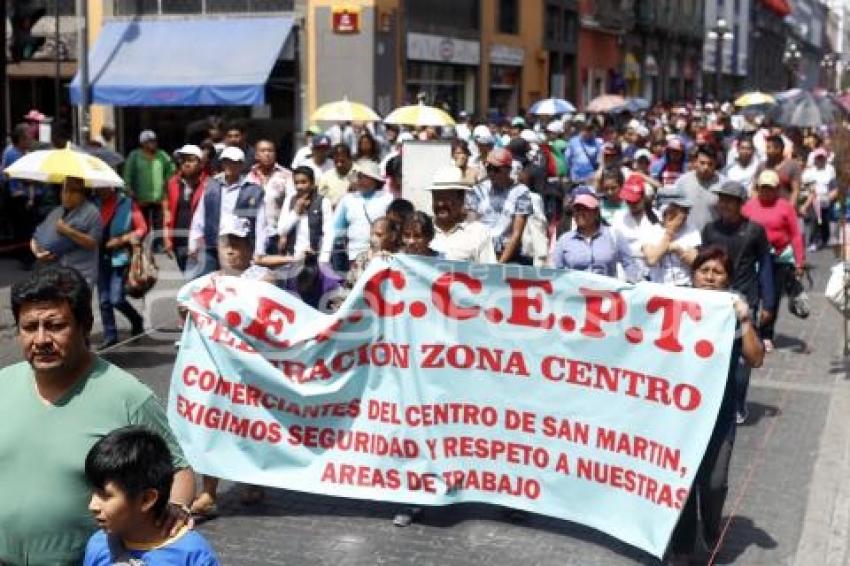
633,105
552,107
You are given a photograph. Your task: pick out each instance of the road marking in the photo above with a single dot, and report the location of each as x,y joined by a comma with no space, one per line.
792,386
129,340
826,525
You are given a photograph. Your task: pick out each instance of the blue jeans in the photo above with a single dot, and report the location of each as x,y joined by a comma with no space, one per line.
110,292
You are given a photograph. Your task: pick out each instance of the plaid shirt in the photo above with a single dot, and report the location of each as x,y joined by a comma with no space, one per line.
275,187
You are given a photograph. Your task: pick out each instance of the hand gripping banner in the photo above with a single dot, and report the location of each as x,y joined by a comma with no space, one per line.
562,393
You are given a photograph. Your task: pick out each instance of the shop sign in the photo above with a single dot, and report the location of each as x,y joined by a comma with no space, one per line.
507,55
346,19
425,47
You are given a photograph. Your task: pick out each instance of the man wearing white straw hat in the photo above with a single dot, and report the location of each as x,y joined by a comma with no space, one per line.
456,237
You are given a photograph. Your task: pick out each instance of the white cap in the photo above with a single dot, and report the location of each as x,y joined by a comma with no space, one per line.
449,178
232,225
369,168
482,134
529,136
146,136
403,137
643,152
190,149
555,127
642,131
232,153
633,124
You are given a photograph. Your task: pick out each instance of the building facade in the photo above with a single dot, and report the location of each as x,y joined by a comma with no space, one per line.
662,52
726,48
479,56
767,70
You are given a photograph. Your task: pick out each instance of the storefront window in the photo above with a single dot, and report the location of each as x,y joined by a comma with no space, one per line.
504,89
509,16
443,85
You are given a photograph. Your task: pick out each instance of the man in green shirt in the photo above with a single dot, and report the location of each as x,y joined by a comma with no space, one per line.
146,173
55,406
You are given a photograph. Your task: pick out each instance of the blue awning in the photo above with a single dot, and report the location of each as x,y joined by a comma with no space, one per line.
201,62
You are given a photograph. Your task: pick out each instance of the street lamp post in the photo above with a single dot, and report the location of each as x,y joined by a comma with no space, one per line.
829,64
791,58
719,34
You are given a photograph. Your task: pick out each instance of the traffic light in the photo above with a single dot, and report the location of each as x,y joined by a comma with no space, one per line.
24,44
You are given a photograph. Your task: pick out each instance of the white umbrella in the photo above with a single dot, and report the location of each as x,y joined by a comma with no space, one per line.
54,165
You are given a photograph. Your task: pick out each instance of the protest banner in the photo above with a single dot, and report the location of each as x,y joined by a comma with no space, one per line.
562,393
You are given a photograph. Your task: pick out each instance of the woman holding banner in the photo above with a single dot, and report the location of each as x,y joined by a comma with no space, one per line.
712,270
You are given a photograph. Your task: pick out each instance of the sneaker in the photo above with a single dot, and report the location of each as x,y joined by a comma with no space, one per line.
137,330
813,248
405,517
768,345
742,416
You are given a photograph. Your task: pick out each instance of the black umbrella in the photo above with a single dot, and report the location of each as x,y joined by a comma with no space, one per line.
807,110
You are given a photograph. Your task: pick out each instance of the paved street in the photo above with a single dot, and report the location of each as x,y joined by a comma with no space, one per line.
788,503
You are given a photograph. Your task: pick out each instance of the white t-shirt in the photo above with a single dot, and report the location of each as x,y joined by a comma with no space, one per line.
633,234
466,241
670,269
743,174
823,180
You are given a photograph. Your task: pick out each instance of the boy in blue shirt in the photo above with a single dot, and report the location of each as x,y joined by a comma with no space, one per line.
130,472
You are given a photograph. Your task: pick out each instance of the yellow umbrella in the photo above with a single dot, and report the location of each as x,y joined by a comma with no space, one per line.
54,165
419,115
755,98
344,111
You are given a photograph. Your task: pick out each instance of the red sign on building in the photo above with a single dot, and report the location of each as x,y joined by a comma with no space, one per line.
346,19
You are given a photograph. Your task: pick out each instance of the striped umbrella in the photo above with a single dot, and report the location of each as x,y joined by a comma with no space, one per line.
605,103
344,111
419,115
54,165
551,107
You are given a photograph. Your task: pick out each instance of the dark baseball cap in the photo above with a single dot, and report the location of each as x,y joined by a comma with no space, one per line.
732,189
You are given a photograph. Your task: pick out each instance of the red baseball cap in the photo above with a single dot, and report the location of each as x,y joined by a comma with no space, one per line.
633,189
500,157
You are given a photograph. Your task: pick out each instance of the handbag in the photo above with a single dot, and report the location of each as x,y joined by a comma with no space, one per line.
143,273
798,299
838,288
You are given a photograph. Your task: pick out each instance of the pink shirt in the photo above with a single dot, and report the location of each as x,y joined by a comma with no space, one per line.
779,220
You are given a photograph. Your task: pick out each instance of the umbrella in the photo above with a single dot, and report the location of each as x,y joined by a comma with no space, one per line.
806,110
633,105
606,103
551,107
344,111
53,165
419,115
754,98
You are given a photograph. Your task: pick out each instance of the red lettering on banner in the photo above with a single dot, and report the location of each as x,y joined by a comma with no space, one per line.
375,298
491,482
270,315
361,476
442,297
594,301
672,320
522,303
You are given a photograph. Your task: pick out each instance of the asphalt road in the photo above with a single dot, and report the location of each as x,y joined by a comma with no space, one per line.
789,501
